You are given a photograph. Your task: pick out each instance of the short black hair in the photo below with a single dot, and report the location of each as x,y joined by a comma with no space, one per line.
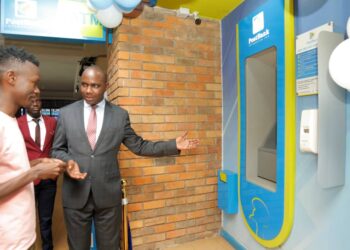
12,53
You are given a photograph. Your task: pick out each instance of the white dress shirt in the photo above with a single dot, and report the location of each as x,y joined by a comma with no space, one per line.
100,113
32,126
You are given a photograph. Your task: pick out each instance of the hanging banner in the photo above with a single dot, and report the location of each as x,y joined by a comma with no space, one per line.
64,19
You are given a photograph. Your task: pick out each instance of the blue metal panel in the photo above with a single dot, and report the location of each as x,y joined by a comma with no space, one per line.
228,191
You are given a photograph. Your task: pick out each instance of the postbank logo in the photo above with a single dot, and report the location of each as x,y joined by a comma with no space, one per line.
258,29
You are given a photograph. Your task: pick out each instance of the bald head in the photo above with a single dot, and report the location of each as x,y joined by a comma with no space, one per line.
95,71
93,85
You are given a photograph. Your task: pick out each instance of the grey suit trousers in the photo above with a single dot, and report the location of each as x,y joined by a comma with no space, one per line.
107,223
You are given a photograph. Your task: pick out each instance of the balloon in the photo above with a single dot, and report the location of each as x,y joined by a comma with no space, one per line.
90,7
339,64
110,17
100,4
348,27
127,5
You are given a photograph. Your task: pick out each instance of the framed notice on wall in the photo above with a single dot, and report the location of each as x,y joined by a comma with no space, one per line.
306,60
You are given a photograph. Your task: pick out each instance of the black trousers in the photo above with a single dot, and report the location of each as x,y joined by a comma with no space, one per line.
45,193
107,222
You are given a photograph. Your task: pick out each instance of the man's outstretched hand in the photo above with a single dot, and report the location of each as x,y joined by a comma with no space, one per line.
183,143
73,171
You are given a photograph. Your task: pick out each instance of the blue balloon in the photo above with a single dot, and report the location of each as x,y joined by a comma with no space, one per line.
101,4
127,5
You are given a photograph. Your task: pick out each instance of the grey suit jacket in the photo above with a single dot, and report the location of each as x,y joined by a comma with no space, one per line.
101,165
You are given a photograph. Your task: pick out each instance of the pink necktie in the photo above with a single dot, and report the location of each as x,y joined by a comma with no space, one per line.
91,127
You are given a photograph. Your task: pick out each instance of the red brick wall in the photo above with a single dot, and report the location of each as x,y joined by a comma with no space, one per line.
166,72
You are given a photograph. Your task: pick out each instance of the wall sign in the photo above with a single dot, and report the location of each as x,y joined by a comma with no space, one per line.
306,60
65,19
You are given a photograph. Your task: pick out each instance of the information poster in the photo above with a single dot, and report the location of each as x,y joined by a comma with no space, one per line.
306,60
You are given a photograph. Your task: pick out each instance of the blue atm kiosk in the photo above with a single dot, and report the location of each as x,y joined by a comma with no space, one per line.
266,124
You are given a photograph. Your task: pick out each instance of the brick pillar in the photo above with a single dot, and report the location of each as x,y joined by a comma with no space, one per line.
166,72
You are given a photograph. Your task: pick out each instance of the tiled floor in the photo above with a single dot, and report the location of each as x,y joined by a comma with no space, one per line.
216,243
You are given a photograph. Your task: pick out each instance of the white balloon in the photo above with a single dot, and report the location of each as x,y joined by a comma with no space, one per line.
348,27
339,64
110,17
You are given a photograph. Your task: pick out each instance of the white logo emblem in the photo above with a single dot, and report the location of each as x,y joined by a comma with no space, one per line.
258,22
26,9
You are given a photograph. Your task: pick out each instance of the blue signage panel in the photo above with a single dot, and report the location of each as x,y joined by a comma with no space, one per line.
263,209
64,19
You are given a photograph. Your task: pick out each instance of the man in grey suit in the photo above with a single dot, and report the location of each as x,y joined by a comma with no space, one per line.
88,136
